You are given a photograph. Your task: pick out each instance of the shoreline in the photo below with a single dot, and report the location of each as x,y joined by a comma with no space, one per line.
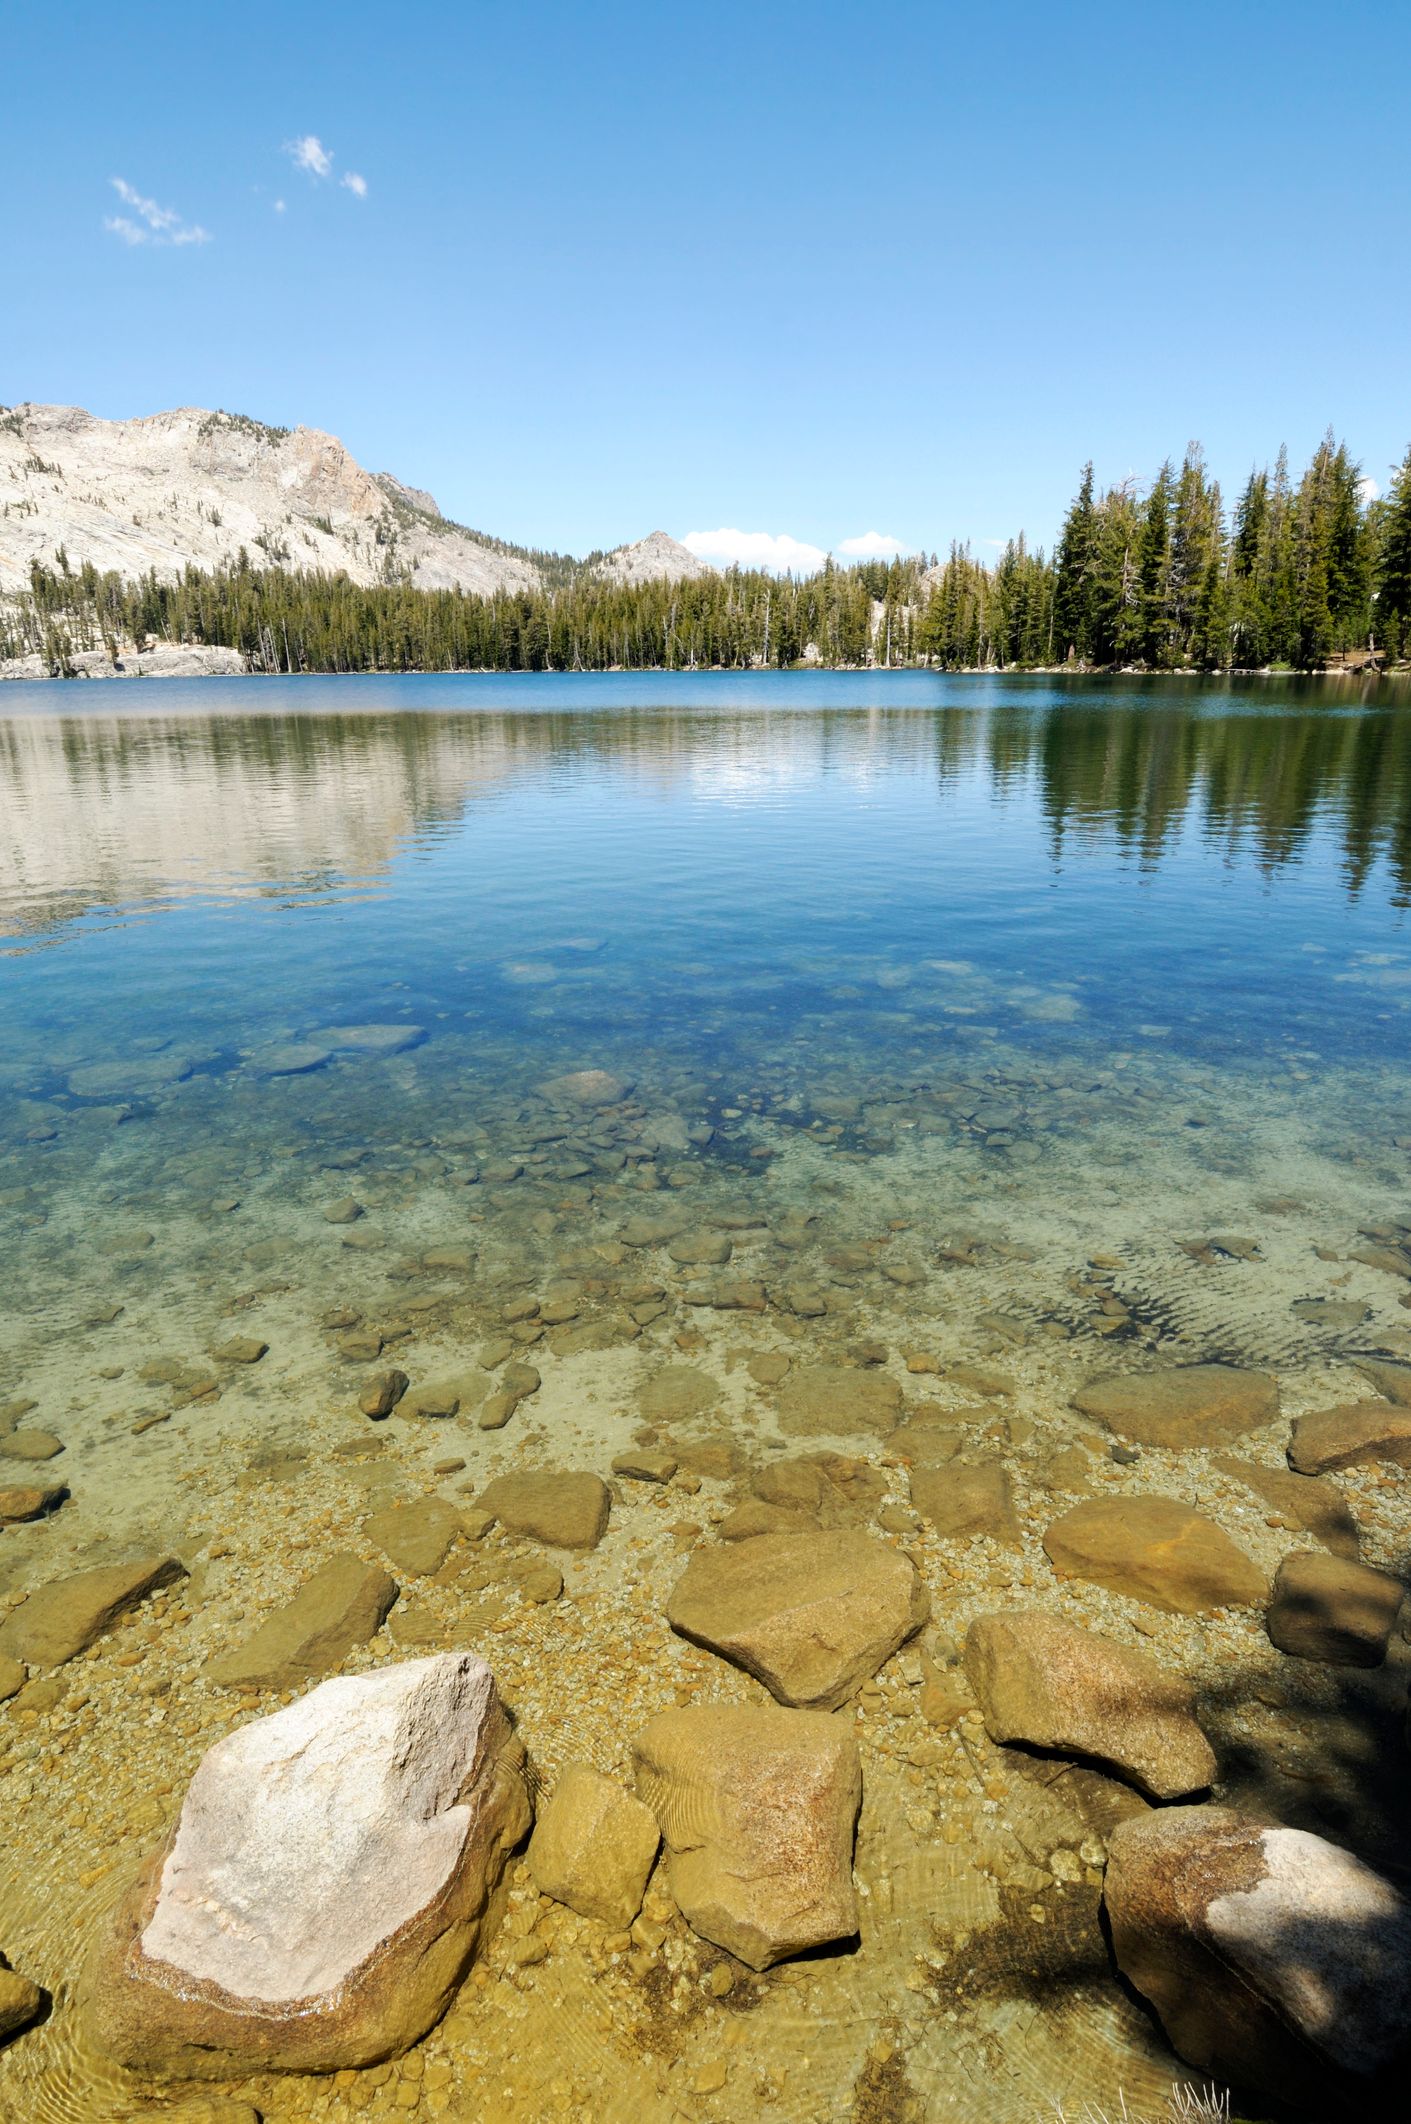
202,660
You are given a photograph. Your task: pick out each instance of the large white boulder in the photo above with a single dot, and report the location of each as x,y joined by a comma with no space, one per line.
327,1882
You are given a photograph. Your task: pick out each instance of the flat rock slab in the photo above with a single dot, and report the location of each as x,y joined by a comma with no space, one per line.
1189,1405
586,1087
415,1537
1156,1550
1392,1381
566,1511
29,1500
31,1445
64,1618
758,1808
837,1401
1349,1435
678,1393
21,2001
371,1039
342,1605
1273,1959
326,1884
1306,1501
811,1615
1327,1608
593,1847
960,1499
1047,1684
453,1395
288,1058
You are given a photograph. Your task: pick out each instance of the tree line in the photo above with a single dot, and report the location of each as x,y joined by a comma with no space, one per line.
1299,574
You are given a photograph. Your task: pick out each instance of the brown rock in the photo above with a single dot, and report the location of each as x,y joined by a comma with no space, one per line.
416,1537
381,1395
758,1808
12,1677
30,1500
1350,1434
61,1619
960,1499
753,1516
330,1878
678,1394
586,1087
241,1349
30,1445
21,2001
1329,1609
1047,1684
1156,1550
643,1465
810,1615
1189,1405
567,1511
343,1604
593,1847
835,1400
1273,1959
1392,1381
1305,1501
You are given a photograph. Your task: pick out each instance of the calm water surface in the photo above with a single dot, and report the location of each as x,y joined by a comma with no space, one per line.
979,978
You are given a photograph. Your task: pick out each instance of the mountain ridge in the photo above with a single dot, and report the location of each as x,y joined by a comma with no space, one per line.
191,487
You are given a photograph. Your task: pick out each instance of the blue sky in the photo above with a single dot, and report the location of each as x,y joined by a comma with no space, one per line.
806,272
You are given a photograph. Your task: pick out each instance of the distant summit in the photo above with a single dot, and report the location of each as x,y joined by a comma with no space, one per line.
191,488
657,556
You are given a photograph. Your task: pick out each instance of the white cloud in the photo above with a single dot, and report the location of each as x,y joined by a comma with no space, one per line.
352,182
309,153
1368,489
279,206
776,552
154,224
871,545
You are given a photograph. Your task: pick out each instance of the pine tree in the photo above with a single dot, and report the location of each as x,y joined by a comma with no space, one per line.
1072,595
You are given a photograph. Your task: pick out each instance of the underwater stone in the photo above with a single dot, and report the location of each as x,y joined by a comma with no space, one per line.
1189,1405
1048,1684
63,1618
1154,1549
758,1809
327,1884
343,1604
810,1614
834,1400
1350,1434
1328,1609
1273,1959
566,1511
593,1847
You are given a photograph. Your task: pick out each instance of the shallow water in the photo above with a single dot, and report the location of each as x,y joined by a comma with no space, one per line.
926,991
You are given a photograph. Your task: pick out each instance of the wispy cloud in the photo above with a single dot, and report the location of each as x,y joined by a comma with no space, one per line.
153,224
309,153
871,545
352,182
1368,489
774,551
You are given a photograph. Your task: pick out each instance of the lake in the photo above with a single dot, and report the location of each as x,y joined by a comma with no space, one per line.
670,1038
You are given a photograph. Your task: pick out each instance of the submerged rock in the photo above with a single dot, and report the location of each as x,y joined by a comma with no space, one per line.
371,1039
758,1809
811,1615
1155,1550
959,1499
1049,1684
567,1511
342,1605
21,2001
1188,1405
30,1500
835,1400
1301,1501
593,1847
327,1883
1329,1609
586,1087
1348,1435
31,1445
415,1537
1273,1959
63,1618
1392,1381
